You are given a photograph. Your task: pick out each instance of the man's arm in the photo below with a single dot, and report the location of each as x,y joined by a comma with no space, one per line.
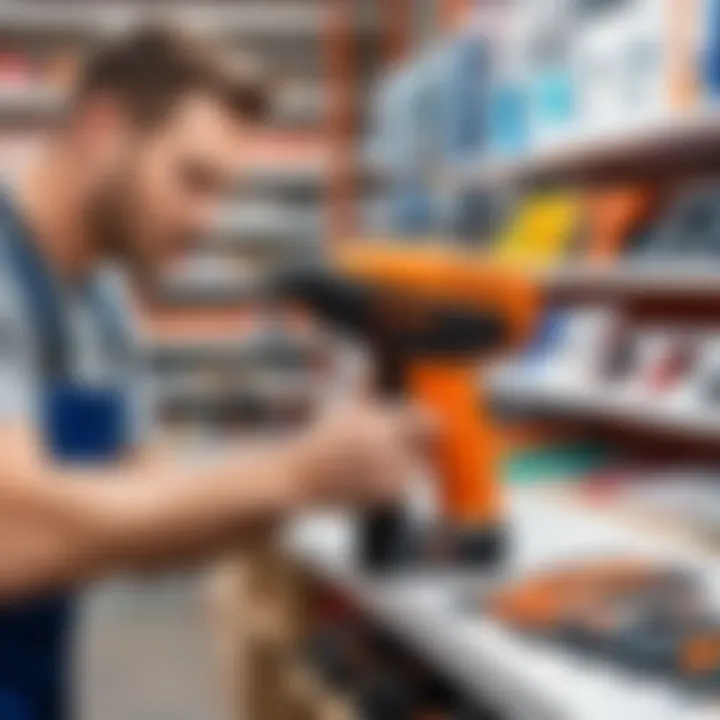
59,527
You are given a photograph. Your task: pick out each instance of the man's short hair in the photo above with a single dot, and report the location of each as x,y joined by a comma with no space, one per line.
150,69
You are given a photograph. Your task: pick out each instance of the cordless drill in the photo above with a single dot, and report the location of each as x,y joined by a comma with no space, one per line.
428,315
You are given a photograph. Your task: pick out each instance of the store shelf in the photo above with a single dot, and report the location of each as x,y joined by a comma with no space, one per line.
295,175
662,278
207,293
259,399
83,20
239,354
30,105
672,146
165,323
272,241
490,663
267,383
253,19
300,104
78,21
267,228
618,405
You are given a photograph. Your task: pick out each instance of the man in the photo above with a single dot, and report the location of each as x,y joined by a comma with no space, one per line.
148,148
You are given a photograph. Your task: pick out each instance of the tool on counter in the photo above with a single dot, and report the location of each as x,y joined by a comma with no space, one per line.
429,315
547,602
645,616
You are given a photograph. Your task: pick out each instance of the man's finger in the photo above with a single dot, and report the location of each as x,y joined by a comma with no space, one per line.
418,427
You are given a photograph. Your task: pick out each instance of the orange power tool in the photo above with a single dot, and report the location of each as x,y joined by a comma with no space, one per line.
430,314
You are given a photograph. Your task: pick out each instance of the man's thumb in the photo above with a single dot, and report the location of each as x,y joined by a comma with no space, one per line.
418,427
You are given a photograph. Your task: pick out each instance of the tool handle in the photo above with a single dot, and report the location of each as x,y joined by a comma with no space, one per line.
384,532
466,454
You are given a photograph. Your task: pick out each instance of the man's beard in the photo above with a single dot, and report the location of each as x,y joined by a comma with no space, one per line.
113,225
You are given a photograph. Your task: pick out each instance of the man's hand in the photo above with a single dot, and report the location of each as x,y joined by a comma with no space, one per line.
361,453
61,526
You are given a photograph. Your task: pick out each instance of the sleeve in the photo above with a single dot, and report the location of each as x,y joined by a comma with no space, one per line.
142,388
144,399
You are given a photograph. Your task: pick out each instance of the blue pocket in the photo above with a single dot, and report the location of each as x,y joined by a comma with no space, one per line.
82,424
12,707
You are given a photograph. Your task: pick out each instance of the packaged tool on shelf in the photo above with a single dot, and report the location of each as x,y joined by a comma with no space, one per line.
640,615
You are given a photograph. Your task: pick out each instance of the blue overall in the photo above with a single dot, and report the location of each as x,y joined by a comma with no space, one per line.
79,423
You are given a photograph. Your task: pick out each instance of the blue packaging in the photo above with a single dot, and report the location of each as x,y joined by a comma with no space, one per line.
463,97
508,126
412,210
553,102
711,50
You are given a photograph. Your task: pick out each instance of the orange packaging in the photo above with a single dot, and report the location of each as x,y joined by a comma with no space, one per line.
613,215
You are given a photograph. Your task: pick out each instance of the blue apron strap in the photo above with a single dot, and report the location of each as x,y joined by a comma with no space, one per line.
43,298
41,293
113,325
13,707
33,635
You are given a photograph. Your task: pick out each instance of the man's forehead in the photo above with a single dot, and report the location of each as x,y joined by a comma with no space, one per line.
203,119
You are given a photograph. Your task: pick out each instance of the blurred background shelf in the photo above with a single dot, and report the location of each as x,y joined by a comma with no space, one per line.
252,352
300,104
259,391
661,417
94,20
661,280
656,149
30,106
208,294
268,228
